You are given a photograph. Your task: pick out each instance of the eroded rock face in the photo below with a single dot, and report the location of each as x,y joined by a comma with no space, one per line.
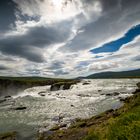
55,87
136,91
138,85
2,100
61,86
6,98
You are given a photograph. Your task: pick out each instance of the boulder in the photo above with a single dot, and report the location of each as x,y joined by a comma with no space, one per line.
86,83
109,111
57,127
108,94
113,94
42,93
20,108
8,96
55,87
136,91
116,93
122,99
72,105
138,85
2,100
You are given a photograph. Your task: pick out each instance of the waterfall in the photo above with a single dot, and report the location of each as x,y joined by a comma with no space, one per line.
61,87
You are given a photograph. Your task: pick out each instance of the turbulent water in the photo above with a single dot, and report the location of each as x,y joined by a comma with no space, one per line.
48,108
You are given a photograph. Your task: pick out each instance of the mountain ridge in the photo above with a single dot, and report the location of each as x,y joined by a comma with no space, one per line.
111,74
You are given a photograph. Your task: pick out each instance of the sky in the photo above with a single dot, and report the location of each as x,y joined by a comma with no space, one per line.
68,38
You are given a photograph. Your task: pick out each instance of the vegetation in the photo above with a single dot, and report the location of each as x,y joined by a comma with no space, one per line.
8,136
120,124
122,74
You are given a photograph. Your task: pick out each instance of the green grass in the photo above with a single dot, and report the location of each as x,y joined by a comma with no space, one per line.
124,127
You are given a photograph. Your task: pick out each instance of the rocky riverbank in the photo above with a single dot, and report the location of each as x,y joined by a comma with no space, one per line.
122,123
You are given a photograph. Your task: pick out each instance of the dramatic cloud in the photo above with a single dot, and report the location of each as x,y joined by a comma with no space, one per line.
68,38
7,15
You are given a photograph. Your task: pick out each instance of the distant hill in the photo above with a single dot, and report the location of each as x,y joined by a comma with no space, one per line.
110,74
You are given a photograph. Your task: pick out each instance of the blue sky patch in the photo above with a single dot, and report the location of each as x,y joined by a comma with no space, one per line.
116,45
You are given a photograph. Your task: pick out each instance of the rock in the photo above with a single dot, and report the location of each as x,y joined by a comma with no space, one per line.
122,99
82,95
54,88
72,105
109,111
8,96
60,135
42,93
99,90
116,93
20,108
79,124
108,94
58,118
113,94
61,86
63,125
86,83
116,114
82,124
2,100
138,85
57,127
136,91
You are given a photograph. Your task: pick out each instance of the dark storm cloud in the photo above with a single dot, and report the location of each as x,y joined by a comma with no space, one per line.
42,36
90,25
13,47
56,65
60,72
137,58
7,14
116,16
6,58
3,67
29,45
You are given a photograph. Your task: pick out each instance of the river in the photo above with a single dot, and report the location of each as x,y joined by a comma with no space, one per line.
44,110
